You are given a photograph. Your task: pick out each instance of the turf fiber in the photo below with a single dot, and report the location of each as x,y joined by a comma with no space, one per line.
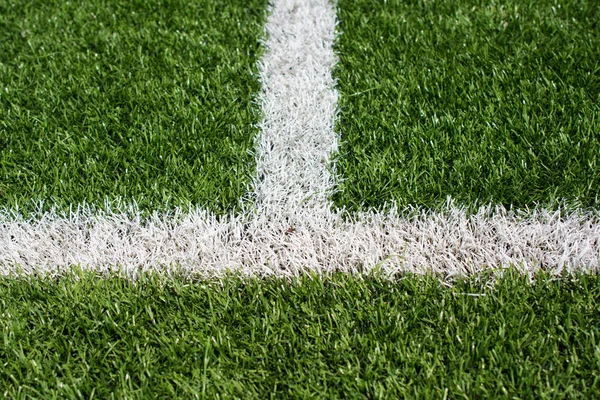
81,335
145,102
474,100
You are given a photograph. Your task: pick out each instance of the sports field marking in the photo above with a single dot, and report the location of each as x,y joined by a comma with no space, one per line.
449,243
299,104
290,227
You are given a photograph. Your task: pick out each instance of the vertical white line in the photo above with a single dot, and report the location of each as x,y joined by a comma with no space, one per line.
299,102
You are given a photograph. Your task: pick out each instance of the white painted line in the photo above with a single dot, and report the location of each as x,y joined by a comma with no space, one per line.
450,242
290,229
299,104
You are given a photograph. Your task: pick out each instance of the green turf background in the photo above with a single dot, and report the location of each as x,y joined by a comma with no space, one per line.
483,101
329,337
141,100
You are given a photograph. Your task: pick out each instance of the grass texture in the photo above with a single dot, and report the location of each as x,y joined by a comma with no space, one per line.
83,336
477,100
147,102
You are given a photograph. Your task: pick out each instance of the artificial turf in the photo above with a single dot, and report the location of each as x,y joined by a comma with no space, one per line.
474,100
146,102
84,336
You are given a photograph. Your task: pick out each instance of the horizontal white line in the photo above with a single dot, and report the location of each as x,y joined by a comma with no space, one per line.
449,242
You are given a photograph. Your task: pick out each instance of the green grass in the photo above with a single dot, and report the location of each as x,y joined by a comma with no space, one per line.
149,102
481,101
334,337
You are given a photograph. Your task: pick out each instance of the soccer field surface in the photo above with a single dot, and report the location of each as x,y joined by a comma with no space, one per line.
349,199
449,137
82,336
